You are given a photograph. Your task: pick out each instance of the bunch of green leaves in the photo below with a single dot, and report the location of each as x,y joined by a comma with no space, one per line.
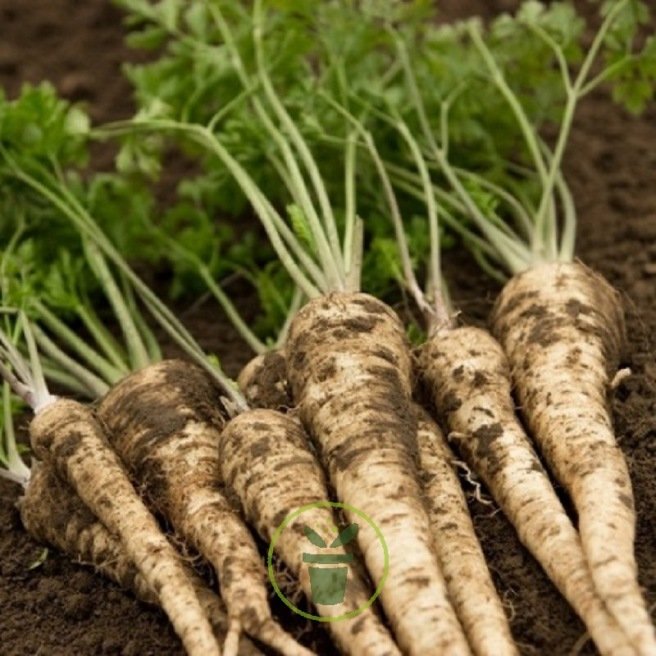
41,125
46,137
347,51
318,55
343,49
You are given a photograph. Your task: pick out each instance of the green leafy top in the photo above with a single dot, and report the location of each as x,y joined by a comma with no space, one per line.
489,93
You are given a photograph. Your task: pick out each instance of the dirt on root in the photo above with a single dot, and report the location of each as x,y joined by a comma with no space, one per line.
59,608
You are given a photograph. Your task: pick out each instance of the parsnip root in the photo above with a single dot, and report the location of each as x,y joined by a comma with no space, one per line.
349,368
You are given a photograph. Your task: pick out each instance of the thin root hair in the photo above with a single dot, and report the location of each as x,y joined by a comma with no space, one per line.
470,477
581,642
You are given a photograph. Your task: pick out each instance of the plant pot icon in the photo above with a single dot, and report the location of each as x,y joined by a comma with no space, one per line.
328,584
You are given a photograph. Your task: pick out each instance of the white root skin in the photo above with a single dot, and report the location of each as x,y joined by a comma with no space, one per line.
468,378
562,327
165,423
349,370
263,382
266,459
463,563
78,533
52,513
67,435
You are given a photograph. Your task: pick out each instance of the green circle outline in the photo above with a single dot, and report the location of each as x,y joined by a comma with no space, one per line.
327,504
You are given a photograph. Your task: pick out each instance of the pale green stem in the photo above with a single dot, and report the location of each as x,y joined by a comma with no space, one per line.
8,349
229,107
73,385
25,380
9,249
444,197
557,51
18,387
297,140
86,225
69,365
392,203
329,264
607,73
103,338
263,209
101,366
38,381
350,210
148,337
485,265
215,289
573,97
232,313
518,210
300,192
294,307
354,277
434,278
304,258
137,352
568,236
515,256
500,81
541,234
444,128
445,108
250,189
455,224
16,469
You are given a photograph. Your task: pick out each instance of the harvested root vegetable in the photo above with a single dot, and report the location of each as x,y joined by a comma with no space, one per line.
562,328
467,576
65,434
463,563
560,324
468,379
165,422
349,369
52,513
348,358
266,459
263,382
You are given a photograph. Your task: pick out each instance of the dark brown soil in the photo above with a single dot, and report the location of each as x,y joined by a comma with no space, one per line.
59,608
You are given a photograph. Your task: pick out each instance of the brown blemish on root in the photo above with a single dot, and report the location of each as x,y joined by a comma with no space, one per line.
562,369
574,307
450,403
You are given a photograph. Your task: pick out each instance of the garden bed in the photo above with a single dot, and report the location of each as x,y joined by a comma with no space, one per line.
56,607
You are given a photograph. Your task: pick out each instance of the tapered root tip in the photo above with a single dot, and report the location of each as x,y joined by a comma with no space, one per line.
231,644
272,635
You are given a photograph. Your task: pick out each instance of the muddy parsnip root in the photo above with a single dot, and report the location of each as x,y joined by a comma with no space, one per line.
267,460
52,513
562,327
349,368
467,376
463,563
165,421
67,434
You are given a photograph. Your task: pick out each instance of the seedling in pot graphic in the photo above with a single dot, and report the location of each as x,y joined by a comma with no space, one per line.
329,583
